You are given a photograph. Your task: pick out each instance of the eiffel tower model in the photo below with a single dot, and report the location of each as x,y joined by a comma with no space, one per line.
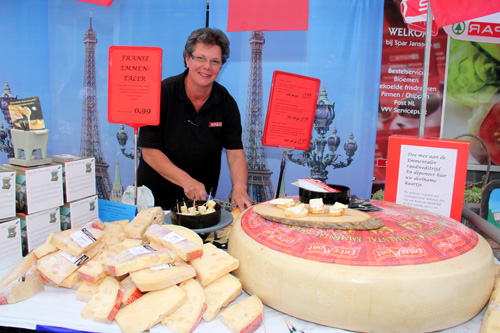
260,187
90,141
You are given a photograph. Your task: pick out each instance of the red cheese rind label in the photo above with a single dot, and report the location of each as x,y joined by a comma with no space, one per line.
134,296
254,325
198,320
116,307
410,236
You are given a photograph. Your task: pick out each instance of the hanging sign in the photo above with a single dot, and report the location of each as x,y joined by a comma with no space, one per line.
482,29
134,85
291,111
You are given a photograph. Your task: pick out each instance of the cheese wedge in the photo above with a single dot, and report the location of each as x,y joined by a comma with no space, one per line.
96,224
77,241
220,293
185,249
137,258
87,289
22,282
130,291
244,317
150,309
213,264
296,211
142,221
93,269
45,248
104,304
187,317
162,276
71,282
57,266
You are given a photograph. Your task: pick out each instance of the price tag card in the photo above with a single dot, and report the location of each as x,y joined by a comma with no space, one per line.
134,85
291,110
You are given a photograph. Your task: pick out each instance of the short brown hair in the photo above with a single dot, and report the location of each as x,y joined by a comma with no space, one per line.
209,36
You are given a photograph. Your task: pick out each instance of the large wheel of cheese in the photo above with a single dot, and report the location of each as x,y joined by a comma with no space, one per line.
421,272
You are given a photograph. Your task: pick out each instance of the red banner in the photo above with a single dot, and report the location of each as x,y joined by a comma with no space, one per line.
448,12
267,15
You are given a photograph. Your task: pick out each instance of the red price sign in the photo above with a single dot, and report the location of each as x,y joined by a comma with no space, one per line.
134,85
291,111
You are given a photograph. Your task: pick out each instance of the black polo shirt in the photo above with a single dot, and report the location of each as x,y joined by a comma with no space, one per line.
192,140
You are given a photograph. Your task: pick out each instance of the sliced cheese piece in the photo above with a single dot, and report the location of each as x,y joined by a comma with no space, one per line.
87,289
213,264
142,221
220,293
22,282
57,266
316,206
296,211
244,317
187,317
45,248
138,258
162,276
185,249
104,304
77,241
150,309
130,291
283,203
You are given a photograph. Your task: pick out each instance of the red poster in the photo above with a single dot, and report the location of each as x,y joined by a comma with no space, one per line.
265,15
291,111
134,85
427,173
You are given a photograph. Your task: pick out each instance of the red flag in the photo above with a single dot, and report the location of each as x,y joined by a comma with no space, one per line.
267,15
448,12
106,3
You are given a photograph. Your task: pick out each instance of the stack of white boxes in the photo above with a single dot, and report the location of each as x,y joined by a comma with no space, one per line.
37,201
10,226
80,199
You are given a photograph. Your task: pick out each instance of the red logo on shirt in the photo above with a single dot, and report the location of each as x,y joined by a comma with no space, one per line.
215,124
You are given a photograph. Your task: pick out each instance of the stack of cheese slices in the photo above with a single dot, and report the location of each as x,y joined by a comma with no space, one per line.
139,274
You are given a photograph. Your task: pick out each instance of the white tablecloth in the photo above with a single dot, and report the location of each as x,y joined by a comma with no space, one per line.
59,307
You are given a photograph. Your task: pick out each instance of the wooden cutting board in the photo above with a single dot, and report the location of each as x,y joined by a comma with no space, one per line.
352,219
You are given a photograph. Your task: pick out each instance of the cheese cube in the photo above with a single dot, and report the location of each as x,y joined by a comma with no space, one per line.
142,221
22,282
246,316
219,294
162,276
187,317
137,258
150,309
104,304
186,249
213,264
